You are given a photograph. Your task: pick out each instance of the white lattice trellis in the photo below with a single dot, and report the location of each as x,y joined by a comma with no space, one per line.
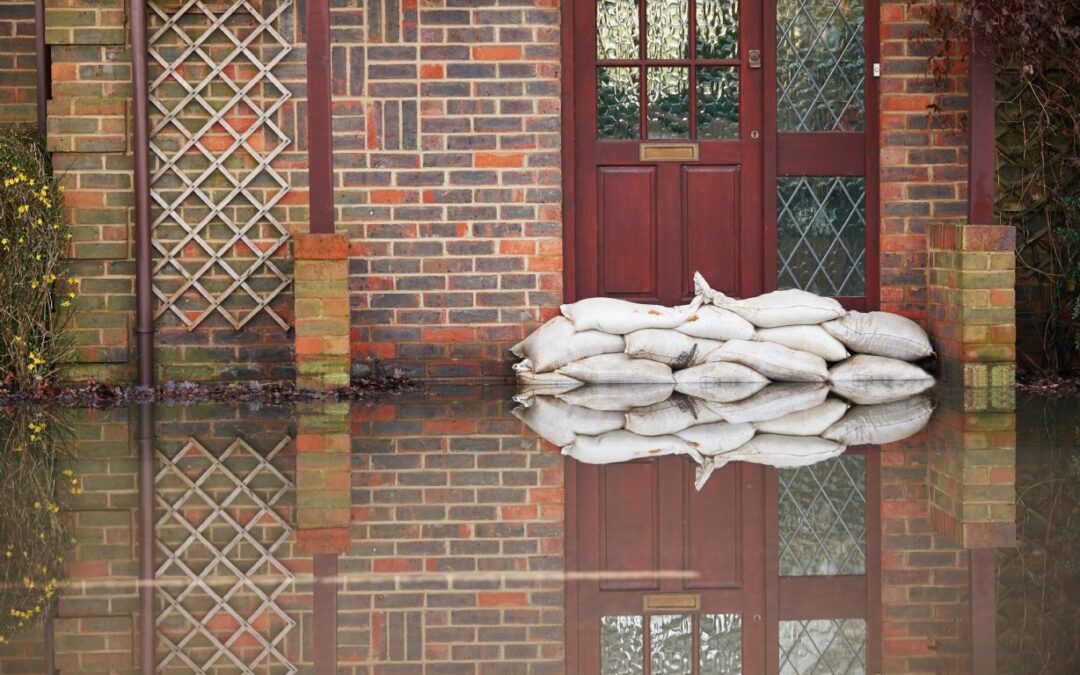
215,142
219,578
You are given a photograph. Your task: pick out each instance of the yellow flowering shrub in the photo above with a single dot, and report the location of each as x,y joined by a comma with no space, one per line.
35,290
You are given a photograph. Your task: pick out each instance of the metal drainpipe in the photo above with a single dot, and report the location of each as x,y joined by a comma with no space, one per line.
41,54
144,311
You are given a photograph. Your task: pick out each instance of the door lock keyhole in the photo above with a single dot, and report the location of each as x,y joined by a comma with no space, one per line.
754,56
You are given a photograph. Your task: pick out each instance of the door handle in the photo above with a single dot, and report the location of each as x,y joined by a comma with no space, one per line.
754,56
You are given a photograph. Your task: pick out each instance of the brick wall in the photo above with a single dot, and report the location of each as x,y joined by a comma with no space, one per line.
18,99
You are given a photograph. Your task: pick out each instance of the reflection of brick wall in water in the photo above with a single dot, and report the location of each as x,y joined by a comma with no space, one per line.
18,104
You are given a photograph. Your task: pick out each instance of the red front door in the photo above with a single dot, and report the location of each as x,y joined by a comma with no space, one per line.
668,138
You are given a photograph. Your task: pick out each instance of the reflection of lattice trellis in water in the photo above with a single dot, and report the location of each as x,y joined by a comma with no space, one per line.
219,578
214,99
823,518
823,647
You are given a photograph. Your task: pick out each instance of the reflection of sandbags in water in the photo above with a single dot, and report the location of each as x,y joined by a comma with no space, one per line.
776,362
772,310
720,392
561,422
620,317
705,469
786,451
882,423
715,323
618,397
671,416
809,422
624,446
668,346
811,339
866,379
618,369
717,438
557,343
881,334
775,400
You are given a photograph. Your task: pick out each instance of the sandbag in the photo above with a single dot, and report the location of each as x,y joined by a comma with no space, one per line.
873,392
617,397
618,369
557,343
779,308
714,323
560,423
881,334
775,400
776,362
718,391
624,446
720,372
811,339
669,417
620,317
809,422
866,379
545,384
717,438
883,423
668,346
785,452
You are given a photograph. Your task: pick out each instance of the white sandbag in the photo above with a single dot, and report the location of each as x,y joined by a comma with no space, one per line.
720,372
717,438
544,384
883,423
714,323
873,392
812,339
778,308
776,362
669,417
718,391
772,402
810,422
623,446
620,317
881,334
617,397
557,343
668,346
867,380
618,369
785,452
560,423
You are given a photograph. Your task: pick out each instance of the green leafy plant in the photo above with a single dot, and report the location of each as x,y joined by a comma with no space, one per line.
35,291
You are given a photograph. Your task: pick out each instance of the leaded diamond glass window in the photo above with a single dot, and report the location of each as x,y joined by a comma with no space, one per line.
820,65
621,645
821,234
823,647
823,518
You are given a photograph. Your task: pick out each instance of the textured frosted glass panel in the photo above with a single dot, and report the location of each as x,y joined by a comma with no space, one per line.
823,647
621,651
821,234
669,29
721,644
669,103
618,106
671,644
823,518
717,29
819,65
718,102
617,30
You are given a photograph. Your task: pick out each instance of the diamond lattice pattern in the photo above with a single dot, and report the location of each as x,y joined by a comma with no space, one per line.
823,647
214,99
821,234
823,518
218,578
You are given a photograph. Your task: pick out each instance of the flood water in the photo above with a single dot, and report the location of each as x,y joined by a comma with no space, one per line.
437,532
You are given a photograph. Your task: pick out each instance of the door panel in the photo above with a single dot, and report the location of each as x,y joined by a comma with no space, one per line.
627,226
711,195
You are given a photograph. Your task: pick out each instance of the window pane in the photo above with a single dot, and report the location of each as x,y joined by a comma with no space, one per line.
621,648
671,644
821,233
823,518
618,108
717,29
669,29
718,102
823,646
721,644
669,103
819,65
617,30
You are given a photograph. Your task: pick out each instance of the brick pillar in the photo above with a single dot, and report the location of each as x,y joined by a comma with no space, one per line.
322,310
323,490
972,303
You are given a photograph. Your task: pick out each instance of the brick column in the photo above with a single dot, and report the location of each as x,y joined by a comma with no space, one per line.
322,310
323,491
972,303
